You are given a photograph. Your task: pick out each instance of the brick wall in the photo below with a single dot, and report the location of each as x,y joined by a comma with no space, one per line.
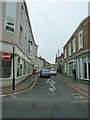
85,27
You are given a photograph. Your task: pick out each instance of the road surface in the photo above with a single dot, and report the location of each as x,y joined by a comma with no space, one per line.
50,98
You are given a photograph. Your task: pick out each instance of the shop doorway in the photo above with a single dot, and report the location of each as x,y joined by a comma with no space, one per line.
85,71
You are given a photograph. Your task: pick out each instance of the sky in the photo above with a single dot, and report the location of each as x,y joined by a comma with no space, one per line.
53,23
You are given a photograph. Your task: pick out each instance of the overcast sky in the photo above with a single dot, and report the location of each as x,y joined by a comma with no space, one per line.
53,23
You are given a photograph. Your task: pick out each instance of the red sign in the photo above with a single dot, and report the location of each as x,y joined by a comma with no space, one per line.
6,56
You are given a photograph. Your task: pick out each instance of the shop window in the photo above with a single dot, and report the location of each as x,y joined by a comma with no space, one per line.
28,68
85,70
71,68
79,69
25,68
6,69
19,67
18,64
84,67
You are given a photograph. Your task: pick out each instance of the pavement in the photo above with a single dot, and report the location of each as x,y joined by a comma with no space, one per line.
27,83
75,83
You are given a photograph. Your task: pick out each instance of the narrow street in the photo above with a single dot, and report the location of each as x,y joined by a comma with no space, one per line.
38,39
50,98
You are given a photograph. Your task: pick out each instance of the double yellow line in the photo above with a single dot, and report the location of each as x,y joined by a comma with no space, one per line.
31,87
75,88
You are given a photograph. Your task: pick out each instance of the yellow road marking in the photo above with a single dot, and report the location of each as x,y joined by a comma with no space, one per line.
31,87
76,88
84,101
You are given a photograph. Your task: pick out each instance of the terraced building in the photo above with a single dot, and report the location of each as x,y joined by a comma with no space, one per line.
77,52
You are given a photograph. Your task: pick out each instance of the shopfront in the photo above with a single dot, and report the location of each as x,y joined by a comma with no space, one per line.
83,65
22,68
71,66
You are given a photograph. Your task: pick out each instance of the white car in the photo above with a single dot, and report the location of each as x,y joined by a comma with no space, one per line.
53,72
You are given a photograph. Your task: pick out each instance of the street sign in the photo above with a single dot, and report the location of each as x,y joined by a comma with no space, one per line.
6,56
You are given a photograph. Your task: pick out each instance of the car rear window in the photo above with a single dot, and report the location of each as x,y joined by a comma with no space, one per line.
45,70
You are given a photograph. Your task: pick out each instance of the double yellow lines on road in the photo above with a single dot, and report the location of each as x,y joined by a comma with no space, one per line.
34,83
68,83
84,101
31,87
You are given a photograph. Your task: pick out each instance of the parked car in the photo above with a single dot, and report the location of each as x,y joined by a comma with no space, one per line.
45,73
53,72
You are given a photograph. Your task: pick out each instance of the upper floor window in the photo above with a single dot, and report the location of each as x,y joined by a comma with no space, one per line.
65,53
27,25
36,51
74,46
69,49
80,40
22,11
20,34
10,24
26,21
30,48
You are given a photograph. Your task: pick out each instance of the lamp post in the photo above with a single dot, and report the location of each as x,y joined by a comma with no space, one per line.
13,83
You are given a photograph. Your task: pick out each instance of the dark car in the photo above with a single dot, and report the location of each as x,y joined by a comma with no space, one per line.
45,73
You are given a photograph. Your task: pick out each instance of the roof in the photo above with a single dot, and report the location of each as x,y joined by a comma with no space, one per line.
86,19
29,20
